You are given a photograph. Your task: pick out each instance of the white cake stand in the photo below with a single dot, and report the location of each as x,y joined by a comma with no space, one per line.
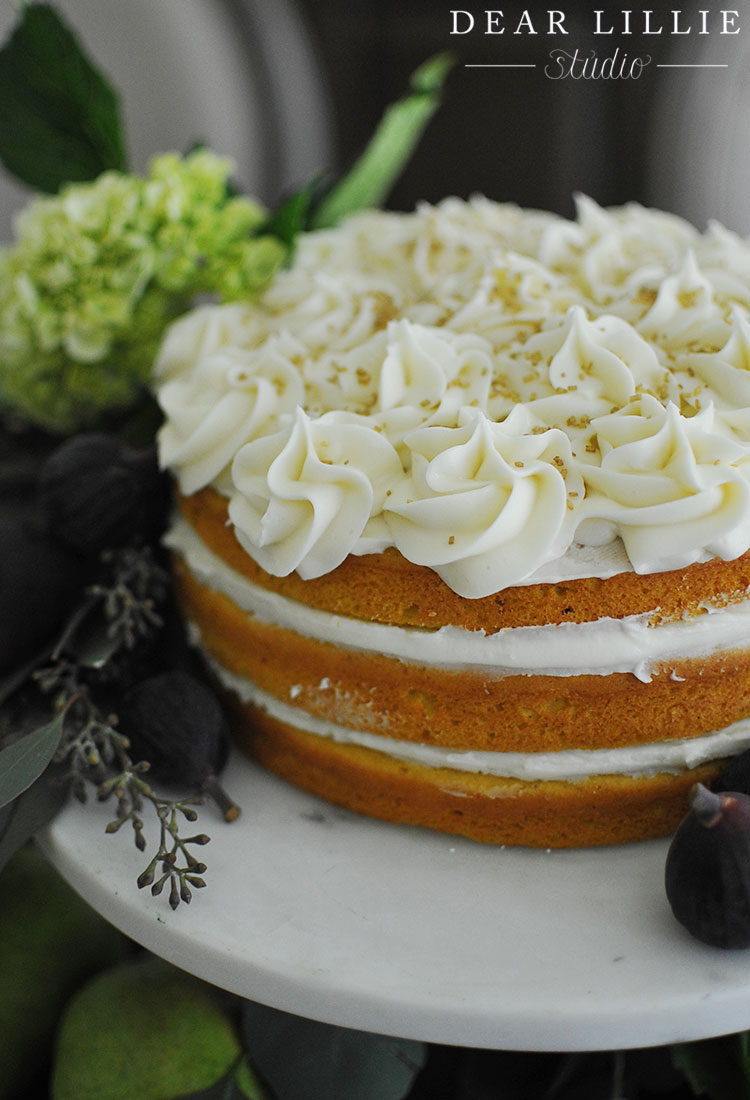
405,932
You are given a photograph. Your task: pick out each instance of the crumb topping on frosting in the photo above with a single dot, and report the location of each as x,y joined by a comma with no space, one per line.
479,386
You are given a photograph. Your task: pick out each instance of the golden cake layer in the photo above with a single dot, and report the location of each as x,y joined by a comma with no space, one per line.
609,809
389,589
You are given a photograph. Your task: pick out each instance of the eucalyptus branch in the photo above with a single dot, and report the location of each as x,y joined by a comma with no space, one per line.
90,744
130,790
130,600
92,751
90,748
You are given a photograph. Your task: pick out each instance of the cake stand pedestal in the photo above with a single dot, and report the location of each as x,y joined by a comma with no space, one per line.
411,933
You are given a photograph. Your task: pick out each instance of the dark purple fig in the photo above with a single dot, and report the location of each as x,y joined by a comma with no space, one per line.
98,493
40,584
176,723
736,774
707,875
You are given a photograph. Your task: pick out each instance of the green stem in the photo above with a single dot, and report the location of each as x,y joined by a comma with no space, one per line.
393,142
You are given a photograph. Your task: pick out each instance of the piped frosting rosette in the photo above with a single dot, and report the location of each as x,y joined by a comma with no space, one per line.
480,387
675,489
611,253
232,396
304,495
485,503
725,372
427,375
685,311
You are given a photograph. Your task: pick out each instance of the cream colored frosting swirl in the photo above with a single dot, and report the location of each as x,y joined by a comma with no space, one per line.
484,502
229,399
676,490
304,495
726,372
685,310
484,388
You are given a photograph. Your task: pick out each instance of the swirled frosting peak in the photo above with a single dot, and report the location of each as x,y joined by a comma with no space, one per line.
305,493
481,387
485,502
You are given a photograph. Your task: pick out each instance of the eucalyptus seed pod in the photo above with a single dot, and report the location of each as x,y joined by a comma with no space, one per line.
40,583
177,724
98,493
707,875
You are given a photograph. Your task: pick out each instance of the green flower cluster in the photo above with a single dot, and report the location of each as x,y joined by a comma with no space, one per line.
100,270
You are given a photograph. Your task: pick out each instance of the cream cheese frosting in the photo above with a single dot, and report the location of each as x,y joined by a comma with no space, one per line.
485,388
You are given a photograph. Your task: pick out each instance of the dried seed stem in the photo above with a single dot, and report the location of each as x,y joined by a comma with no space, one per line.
93,752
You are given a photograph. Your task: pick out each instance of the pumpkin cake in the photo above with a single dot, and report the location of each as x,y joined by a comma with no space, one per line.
464,515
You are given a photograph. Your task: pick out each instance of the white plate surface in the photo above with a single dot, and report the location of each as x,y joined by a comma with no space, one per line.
401,931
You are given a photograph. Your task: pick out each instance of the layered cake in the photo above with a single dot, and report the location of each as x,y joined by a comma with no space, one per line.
464,512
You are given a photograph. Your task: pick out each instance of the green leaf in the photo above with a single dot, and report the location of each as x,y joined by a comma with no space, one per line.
86,637
96,647
23,817
51,941
24,760
239,1084
291,217
143,1031
717,1068
302,1058
390,147
61,118
247,1084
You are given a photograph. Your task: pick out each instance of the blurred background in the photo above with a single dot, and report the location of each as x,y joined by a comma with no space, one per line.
290,87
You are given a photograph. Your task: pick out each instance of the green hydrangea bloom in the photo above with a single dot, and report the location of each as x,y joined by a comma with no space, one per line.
99,271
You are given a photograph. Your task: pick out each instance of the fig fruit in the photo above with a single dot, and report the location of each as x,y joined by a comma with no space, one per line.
176,723
707,875
736,774
41,583
98,493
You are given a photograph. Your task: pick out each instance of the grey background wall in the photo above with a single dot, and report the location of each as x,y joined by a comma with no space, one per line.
675,137
289,87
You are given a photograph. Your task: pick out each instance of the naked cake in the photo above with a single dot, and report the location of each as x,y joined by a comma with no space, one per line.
464,512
